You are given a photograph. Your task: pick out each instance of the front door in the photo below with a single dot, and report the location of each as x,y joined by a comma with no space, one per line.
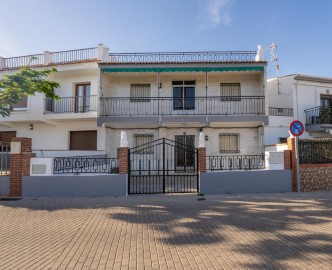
184,154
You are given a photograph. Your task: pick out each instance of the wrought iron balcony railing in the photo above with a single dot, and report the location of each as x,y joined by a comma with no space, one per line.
78,104
126,106
236,162
182,57
280,111
318,115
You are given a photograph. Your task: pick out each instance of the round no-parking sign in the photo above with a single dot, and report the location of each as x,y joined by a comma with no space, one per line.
296,128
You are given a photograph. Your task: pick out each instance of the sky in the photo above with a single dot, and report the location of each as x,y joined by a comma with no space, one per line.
301,29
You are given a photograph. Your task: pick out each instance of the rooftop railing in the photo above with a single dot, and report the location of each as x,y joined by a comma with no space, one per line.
318,115
126,106
183,57
49,58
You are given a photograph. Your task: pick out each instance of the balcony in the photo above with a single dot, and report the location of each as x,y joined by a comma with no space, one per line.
318,119
169,106
77,104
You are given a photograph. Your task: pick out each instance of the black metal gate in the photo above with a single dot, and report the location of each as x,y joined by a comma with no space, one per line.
163,166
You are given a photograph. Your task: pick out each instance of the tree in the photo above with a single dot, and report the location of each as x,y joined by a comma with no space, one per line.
26,82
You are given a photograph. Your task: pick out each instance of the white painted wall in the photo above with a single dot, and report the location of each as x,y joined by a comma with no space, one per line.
118,84
48,137
249,138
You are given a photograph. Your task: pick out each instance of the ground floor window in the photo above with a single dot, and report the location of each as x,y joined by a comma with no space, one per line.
229,143
83,140
144,139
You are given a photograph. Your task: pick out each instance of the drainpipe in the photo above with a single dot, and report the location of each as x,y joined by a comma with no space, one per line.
206,89
296,101
158,86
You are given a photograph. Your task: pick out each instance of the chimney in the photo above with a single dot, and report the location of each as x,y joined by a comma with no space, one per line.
260,53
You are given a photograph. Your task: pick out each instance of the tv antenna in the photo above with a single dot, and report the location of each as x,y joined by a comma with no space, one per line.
274,59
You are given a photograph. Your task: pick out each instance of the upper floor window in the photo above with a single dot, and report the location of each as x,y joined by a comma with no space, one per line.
82,97
22,104
183,95
140,92
325,100
229,143
230,91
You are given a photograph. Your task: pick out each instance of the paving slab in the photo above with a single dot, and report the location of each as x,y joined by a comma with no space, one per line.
263,231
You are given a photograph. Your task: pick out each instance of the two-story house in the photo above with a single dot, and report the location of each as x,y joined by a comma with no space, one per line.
303,97
178,95
65,126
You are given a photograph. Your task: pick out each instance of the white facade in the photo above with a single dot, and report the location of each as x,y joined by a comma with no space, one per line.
50,123
297,93
213,113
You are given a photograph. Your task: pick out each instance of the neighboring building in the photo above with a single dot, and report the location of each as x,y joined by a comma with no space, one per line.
177,95
69,123
301,97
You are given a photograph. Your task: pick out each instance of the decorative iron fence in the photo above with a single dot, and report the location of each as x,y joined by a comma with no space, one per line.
79,104
182,57
86,164
236,162
318,115
125,106
4,159
318,150
280,111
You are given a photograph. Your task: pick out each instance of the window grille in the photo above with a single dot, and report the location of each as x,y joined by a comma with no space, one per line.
140,92
230,91
144,141
229,143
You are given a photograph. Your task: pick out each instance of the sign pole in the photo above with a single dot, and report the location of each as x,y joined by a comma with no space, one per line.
297,164
296,129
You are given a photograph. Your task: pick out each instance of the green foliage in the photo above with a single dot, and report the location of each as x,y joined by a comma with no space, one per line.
26,81
325,115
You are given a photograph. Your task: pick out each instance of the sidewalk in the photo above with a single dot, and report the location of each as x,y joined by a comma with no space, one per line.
269,231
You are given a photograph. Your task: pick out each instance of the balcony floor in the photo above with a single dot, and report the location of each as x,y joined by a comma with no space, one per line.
183,121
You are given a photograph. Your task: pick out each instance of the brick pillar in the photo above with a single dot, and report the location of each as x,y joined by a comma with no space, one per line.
287,159
202,159
123,160
291,147
19,166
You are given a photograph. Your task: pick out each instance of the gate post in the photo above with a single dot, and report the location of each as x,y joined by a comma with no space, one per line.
123,160
291,146
201,159
19,164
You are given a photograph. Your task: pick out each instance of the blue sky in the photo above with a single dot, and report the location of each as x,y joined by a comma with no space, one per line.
300,28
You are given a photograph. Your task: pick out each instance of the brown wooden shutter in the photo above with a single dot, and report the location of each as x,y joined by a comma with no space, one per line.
6,136
22,104
83,140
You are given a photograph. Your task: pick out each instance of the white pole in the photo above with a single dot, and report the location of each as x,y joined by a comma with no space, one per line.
297,164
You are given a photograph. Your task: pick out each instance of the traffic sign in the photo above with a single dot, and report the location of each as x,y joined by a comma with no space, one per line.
296,128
